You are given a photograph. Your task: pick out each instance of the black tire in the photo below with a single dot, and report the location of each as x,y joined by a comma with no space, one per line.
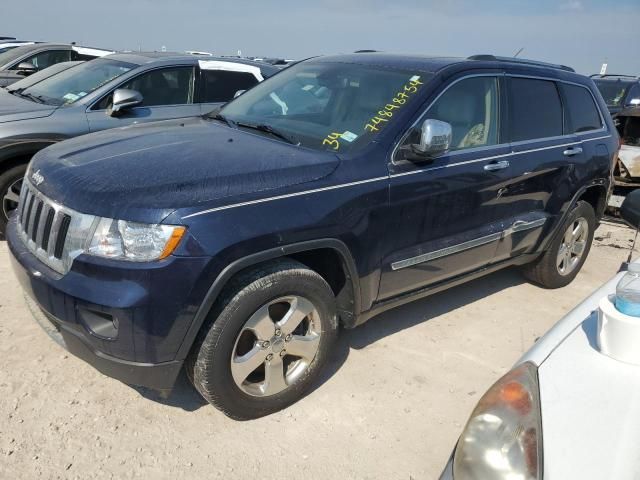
545,271
208,365
8,179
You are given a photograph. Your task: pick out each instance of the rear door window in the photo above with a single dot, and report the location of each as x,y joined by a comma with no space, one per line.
222,85
582,113
535,110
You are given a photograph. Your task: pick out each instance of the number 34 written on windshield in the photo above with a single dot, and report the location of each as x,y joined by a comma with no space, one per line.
386,113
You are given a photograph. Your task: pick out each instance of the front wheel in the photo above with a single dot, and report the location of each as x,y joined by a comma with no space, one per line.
10,185
567,253
266,341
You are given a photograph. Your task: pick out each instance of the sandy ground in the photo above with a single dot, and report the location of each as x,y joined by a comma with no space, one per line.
391,406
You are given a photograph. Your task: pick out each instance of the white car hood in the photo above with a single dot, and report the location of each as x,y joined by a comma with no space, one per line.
590,402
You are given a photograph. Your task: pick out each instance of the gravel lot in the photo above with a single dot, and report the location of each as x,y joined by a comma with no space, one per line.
391,406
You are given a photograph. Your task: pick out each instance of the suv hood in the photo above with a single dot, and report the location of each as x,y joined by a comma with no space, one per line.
14,108
143,173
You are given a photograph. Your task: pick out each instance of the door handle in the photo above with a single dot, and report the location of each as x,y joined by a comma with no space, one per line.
501,165
570,152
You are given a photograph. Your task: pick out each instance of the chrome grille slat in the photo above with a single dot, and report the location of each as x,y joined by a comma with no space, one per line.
49,230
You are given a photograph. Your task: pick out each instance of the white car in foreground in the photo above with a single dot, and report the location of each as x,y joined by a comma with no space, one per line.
565,411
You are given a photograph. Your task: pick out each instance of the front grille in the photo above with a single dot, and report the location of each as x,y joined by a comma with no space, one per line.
43,226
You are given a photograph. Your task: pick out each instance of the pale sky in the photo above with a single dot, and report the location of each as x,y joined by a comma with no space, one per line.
579,33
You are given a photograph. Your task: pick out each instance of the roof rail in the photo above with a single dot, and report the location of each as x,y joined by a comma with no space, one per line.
523,61
597,75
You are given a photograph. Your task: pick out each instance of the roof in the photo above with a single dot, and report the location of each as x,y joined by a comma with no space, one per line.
422,63
164,58
434,64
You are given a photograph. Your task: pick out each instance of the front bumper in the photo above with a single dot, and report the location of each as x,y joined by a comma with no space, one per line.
151,304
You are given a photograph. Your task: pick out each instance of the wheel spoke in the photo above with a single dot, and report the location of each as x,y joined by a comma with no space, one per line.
299,309
12,196
577,232
242,366
561,258
274,380
568,235
261,324
303,346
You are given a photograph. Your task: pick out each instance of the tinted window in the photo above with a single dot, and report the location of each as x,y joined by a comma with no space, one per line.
582,113
46,59
471,108
168,86
535,109
634,94
221,85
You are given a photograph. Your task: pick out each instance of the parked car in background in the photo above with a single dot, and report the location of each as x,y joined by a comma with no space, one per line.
564,411
109,92
236,243
22,61
9,44
627,122
41,75
618,91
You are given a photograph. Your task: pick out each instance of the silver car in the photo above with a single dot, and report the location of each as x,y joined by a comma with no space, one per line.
112,91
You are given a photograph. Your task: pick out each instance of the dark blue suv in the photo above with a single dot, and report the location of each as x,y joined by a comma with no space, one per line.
235,244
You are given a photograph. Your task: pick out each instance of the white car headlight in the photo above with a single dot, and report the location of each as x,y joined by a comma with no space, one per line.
137,242
503,437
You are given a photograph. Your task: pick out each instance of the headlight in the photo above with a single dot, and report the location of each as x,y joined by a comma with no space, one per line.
503,437
134,241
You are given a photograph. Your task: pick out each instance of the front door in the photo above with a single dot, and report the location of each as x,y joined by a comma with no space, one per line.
449,212
167,93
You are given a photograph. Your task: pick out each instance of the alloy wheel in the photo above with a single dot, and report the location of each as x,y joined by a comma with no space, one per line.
11,197
276,346
573,245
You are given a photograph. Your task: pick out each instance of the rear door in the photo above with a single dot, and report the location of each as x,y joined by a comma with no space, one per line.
545,155
448,213
167,93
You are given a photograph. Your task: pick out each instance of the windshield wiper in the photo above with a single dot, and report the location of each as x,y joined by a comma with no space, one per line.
30,96
269,129
222,118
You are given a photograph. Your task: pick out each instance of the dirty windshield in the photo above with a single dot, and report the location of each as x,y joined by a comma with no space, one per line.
328,106
613,92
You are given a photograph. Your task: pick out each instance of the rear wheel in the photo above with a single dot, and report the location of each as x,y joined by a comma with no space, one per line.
10,185
563,260
266,341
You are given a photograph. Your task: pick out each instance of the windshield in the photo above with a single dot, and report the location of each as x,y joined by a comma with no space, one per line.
328,106
6,49
71,85
613,91
13,53
41,75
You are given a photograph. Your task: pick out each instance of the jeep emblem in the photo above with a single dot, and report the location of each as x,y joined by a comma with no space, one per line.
37,177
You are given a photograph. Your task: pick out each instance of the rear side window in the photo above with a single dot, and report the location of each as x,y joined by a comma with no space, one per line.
222,85
535,110
582,113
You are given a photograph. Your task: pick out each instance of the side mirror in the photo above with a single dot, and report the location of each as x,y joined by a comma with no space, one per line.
435,138
630,209
238,93
26,69
123,99
635,102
